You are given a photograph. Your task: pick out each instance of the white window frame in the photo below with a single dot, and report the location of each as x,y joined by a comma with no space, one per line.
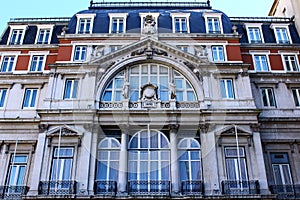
17,27
73,80
18,166
2,97
259,27
266,89
180,15
113,16
12,53
74,51
296,95
213,15
63,158
44,27
85,16
224,53
226,87
261,53
291,54
284,26
38,53
153,14
30,98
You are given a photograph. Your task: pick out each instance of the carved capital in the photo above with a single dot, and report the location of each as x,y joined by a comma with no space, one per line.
174,128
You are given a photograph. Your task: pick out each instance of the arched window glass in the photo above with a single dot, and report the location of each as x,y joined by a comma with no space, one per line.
149,162
190,164
108,159
142,74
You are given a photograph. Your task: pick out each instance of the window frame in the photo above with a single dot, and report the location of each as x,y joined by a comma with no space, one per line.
13,163
185,16
70,95
268,100
218,53
255,26
226,87
117,16
14,63
29,106
289,55
81,51
266,55
275,27
3,97
80,17
208,16
296,96
62,157
226,157
280,163
44,28
22,28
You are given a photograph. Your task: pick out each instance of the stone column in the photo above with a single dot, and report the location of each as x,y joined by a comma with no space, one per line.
37,165
261,170
123,162
174,160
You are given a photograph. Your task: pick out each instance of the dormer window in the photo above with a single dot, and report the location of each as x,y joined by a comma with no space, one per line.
85,23
282,33
180,22
16,35
117,22
44,34
254,33
213,22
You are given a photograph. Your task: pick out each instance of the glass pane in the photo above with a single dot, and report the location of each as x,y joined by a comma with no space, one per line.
75,88
184,170
107,96
27,98
20,159
33,98
286,174
277,175
21,175
113,170
196,170
102,171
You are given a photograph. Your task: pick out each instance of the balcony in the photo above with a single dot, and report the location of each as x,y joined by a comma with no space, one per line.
240,187
286,191
192,188
105,188
149,188
57,188
13,192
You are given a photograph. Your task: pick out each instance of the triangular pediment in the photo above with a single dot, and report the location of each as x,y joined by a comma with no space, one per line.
64,130
149,48
233,131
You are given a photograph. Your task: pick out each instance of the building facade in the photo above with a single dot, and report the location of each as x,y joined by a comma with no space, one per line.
150,100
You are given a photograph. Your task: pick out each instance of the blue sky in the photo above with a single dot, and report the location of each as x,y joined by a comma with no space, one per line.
66,8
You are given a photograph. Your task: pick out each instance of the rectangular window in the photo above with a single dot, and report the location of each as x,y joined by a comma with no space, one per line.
17,170
268,97
16,36
282,35
44,36
218,53
30,98
117,25
281,169
291,63
254,35
227,88
180,25
37,63
183,48
2,97
261,63
236,163
296,95
84,26
7,63
71,88
62,163
213,25
80,53
114,48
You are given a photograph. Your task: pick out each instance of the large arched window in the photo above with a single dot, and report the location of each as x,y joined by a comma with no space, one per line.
149,163
107,165
190,165
158,75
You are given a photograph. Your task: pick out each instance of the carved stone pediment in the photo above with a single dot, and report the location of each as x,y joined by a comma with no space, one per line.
64,131
232,131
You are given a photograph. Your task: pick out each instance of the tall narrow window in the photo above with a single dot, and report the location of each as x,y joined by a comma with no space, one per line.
7,63
281,169
80,53
181,25
30,97
108,165
71,88
190,165
268,97
236,163
291,63
218,53
282,35
261,63
2,97
113,92
84,26
16,36
17,170
213,25
254,35
62,163
227,88
37,63
296,95
43,36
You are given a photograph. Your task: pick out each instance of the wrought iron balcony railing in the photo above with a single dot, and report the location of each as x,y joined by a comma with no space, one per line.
240,187
57,187
13,192
107,188
151,188
192,188
286,191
